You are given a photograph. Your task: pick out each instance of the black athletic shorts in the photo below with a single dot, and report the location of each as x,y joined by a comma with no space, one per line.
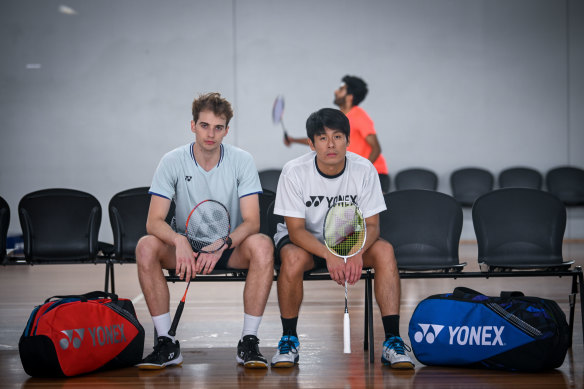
319,262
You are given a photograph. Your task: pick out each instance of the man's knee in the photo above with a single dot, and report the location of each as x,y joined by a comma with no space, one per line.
380,254
148,250
294,261
261,248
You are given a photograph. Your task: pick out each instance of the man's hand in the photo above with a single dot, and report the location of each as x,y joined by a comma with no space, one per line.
353,269
185,259
336,268
207,261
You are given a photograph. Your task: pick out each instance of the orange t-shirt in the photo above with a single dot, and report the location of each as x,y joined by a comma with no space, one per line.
361,126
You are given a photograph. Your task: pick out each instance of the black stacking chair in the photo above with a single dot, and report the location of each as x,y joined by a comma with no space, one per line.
520,228
468,184
416,178
567,183
266,199
61,226
4,222
269,179
520,177
424,228
128,211
385,182
273,220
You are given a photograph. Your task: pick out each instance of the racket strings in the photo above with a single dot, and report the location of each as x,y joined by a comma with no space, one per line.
208,227
344,230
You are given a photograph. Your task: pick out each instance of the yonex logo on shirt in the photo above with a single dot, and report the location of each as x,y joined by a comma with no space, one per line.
188,178
315,201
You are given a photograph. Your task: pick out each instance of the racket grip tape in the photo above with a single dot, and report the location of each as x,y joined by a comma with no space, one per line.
177,315
347,334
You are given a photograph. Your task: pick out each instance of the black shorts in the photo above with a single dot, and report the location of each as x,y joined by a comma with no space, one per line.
222,262
319,262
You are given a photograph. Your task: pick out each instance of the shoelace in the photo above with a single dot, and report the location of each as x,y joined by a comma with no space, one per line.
251,345
398,345
159,345
286,345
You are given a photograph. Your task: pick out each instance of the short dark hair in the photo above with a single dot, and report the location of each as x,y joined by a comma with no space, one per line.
212,102
356,87
329,118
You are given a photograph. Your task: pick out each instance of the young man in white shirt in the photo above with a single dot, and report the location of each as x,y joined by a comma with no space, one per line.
308,186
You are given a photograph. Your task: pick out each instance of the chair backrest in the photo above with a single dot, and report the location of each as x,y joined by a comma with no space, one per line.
273,220
385,182
416,179
468,184
520,177
424,228
266,198
519,226
128,211
567,183
4,222
60,225
269,179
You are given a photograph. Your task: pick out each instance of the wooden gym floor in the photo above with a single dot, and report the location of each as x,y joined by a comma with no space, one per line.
212,321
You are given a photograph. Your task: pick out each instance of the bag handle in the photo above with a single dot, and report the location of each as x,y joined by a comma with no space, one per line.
460,291
87,296
510,294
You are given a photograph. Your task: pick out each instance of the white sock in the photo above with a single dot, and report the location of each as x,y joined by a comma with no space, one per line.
162,324
250,325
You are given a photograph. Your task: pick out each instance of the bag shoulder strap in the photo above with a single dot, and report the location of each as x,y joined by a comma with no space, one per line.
87,296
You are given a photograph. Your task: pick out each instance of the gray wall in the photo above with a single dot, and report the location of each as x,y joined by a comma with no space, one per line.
91,101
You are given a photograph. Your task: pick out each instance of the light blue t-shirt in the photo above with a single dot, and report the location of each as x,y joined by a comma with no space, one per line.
180,178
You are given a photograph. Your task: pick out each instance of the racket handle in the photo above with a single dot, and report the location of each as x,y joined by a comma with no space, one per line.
177,315
347,334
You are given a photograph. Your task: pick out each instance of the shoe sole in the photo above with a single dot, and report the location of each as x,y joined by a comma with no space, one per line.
252,364
255,365
284,364
402,365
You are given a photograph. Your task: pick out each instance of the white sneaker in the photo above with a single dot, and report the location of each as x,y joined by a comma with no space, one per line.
287,354
394,354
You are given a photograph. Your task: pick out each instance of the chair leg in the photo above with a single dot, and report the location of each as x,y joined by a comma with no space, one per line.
369,283
112,277
366,316
581,282
107,265
572,302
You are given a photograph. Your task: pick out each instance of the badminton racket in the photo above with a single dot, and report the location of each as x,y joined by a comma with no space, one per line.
278,114
207,230
344,236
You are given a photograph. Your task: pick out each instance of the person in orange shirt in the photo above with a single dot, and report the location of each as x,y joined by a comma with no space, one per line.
363,138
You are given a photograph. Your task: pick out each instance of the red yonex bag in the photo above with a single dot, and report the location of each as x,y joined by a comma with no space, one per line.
71,335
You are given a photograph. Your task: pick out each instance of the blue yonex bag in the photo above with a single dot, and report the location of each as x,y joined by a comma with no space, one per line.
467,328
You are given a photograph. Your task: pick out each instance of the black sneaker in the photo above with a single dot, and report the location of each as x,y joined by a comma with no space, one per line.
248,353
166,353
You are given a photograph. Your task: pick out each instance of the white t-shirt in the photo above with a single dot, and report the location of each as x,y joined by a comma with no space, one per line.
179,177
305,192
